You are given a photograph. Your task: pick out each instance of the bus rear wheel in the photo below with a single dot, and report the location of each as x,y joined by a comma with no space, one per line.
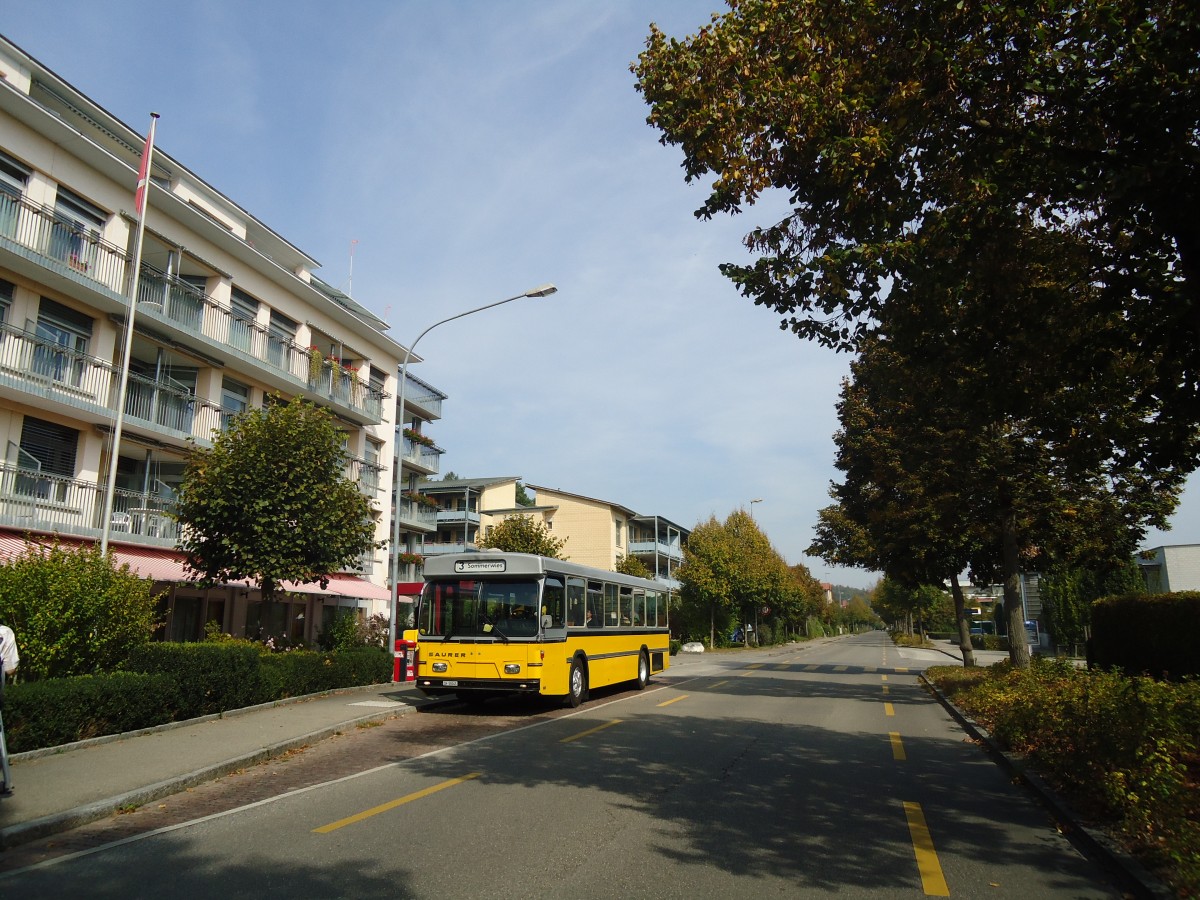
578,683
643,676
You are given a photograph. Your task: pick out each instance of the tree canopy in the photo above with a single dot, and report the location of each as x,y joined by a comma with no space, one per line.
269,501
523,534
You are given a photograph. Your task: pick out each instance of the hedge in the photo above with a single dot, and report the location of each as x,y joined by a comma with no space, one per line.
1154,634
173,682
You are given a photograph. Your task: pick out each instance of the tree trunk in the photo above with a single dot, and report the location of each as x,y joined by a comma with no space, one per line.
964,627
1018,651
712,626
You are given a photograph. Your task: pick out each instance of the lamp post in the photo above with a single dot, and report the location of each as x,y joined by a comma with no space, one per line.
544,291
752,502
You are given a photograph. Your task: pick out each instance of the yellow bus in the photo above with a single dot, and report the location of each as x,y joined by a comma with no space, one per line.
493,623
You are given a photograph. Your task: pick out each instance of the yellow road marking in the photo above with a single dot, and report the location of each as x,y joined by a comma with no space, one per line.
888,709
897,746
869,670
884,677
933,882
782,667
755,666
673,700
840,668
392,804
886,690
584,734
899,671
719,683
811,668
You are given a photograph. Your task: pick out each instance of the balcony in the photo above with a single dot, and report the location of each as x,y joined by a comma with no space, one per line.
46,373
44,242
190,315
441,549
36,501
457,517
417,516
660,548
424,459
422,399
365,474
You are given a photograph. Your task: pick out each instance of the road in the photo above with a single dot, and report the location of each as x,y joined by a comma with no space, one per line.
805,771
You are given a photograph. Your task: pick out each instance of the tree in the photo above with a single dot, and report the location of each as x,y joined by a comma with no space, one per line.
1067,594
74,611
269,502
523,534
523,498
631,565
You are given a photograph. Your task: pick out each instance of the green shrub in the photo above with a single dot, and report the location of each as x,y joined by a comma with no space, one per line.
211,677
74,611
1121,749
676,646
304,672
1154,634
59,711
989,642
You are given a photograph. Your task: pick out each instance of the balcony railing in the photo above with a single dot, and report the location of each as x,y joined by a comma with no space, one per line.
61,244
457,516
419,456
365,473
38,501
422,398
417,515
42,235
671,551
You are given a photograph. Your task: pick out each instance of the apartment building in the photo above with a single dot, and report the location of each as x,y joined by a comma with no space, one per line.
228,312
598,532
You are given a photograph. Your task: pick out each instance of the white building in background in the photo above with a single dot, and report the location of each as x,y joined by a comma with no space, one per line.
1175,567
228,312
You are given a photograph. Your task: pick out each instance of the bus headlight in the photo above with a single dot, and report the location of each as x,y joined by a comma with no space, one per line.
440,667
512,668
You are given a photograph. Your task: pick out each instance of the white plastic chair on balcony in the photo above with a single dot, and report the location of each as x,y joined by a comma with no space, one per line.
122,521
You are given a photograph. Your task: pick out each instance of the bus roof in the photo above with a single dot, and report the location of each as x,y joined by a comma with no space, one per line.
496,563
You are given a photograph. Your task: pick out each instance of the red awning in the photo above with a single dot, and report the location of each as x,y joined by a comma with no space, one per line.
167,565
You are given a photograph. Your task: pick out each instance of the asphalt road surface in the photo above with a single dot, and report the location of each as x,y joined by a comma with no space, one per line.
806,771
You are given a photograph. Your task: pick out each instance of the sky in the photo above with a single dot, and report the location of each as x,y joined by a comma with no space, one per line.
439,156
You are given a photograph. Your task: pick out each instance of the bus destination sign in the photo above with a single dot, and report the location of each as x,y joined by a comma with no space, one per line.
474,566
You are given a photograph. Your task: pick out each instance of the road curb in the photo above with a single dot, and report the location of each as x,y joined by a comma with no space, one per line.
1130,874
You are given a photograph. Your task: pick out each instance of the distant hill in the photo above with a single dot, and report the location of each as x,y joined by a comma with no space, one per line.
845,592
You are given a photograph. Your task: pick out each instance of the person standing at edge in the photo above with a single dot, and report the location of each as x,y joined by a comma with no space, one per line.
9,658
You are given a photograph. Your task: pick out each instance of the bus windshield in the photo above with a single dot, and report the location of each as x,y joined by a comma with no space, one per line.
474,608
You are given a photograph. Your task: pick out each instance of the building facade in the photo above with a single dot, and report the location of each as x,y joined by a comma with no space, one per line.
228,313
1175,567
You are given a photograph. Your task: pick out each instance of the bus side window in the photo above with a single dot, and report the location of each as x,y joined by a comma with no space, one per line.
553,595
626,605
639,607
611,615
576,597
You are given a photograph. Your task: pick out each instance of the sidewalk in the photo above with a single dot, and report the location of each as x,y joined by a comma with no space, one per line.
60,788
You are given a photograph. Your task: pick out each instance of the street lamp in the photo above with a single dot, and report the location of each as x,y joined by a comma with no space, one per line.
752,502
544,291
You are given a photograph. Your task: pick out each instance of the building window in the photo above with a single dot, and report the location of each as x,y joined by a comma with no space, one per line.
7,290
280,336
619,530
63,337
76,232
48,449
235,398
242,325
14,177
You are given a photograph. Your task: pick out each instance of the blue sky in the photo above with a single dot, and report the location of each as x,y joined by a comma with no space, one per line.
475,150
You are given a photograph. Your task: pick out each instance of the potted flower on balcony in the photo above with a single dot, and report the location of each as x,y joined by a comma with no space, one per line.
410,559
417,438
421,499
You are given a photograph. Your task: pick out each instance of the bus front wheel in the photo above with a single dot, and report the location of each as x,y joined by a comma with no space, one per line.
578,683
643,676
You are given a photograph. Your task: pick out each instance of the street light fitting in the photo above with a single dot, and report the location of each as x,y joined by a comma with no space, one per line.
544,291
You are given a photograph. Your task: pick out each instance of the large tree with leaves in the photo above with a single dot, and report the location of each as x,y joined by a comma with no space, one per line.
269,501
523,534
908,136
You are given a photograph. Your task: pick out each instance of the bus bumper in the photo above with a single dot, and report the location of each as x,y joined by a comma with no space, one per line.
437,687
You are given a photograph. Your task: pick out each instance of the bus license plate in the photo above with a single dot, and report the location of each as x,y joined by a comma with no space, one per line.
449,684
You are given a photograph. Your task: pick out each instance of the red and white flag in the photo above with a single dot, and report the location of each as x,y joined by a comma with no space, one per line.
143,182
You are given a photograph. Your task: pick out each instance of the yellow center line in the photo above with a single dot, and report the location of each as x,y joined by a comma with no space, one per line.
888,709
755,666
933,882
899,671
392,804
782,667
584,734
673,700
886,690
897,746
719,683
884,677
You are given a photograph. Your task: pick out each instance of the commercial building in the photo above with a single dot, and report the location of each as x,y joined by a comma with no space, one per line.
228,313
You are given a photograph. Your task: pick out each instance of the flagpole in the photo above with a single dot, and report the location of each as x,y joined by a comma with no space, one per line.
140,202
